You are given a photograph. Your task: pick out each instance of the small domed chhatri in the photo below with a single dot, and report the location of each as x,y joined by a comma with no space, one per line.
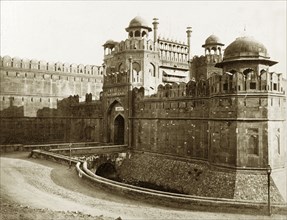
213,45
138,22
110,42
211,40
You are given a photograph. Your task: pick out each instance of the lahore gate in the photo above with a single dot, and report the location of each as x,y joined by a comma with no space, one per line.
201,125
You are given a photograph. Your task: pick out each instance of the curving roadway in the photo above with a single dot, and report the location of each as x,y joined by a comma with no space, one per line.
43,184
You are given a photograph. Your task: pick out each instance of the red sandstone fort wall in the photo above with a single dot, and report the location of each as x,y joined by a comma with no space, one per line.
33,84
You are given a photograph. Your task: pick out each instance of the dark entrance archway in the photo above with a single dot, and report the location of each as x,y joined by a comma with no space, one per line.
107,170
119,130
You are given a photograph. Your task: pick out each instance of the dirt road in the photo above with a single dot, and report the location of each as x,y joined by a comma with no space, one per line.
52,188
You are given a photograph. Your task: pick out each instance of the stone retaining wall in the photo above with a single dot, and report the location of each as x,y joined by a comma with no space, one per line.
163,198
197,178
177,200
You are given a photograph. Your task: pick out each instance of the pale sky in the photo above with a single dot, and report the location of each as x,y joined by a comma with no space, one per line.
74,31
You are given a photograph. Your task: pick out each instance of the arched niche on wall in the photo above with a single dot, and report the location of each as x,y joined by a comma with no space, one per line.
151,69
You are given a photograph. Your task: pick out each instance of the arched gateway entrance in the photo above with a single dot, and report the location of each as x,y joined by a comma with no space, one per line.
115,123
119,130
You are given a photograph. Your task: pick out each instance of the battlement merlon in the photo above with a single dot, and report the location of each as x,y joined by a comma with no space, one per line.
33,64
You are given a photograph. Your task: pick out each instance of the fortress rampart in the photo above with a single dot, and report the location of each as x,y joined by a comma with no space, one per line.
33,84
221,120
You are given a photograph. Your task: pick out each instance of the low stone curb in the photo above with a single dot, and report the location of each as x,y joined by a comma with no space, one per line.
174,200
178,200
54,157
30,147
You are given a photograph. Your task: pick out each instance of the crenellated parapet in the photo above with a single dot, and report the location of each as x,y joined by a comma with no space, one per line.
191,89
128,45
35,85
199,60
207,59
248,94
249,80
58,67
181,100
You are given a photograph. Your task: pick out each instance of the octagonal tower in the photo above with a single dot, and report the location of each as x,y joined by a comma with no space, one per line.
248,110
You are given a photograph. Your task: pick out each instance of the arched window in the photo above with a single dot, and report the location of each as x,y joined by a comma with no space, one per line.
275,81
143,33
152,70
253,144
263,74
136,67
131,34
263,79
232,80
250,76
137,34
213,50
219,50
